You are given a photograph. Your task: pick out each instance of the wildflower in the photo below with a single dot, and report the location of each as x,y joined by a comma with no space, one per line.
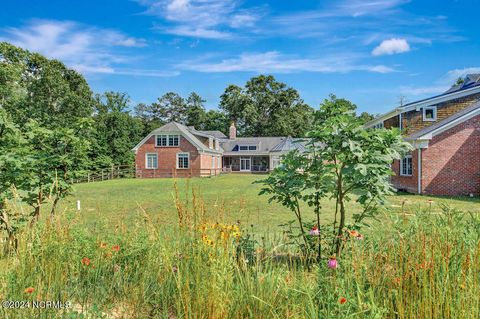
314,231
116,248
332,263
103,245
86,261
462,286
174,269
29,290
354,233
397,280
359,237
342,300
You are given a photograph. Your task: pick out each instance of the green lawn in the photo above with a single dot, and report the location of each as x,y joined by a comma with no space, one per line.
227,198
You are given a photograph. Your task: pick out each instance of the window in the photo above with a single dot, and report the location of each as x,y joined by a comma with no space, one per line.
210,142
247,147
406,167
378,125
182,160
213,161
430,113
219,162
168,140
151,161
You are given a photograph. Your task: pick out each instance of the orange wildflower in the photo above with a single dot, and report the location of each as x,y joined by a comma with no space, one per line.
86,261
116,248
29,290
342,300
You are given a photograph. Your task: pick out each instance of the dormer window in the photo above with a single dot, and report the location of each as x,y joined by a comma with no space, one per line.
247,147
378,125
429,113
210,142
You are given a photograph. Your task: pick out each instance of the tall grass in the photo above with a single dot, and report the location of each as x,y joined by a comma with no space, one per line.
418,266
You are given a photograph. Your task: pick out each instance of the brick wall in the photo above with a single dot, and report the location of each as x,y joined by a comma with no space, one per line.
167,160
451,163
406,183
413,121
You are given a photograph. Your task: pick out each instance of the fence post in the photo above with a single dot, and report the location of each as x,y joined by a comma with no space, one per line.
88,177
102,175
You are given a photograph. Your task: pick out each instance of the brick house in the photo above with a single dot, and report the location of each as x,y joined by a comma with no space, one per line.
445,133
175,150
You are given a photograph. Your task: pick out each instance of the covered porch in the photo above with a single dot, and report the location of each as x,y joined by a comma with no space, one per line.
246,163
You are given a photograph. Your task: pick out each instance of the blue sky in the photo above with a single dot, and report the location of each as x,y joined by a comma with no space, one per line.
369,51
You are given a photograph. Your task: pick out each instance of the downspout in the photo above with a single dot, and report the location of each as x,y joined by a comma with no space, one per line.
419,170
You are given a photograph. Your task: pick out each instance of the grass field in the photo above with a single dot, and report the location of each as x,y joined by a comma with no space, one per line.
227,198
125,255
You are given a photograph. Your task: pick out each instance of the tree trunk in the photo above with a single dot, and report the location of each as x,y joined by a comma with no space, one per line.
302,230
341,225
317,212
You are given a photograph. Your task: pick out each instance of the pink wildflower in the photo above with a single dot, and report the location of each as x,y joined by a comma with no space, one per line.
332,263
314,231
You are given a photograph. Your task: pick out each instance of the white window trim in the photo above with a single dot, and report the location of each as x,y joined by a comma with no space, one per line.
401,165
168,140
146,161
434,108
248,148
188,160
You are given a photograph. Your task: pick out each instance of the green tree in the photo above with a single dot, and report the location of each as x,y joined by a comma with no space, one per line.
266,107
34,87
116,131
14,160
170,107
195,111
216,121
366,117
341,160
144,113
50,107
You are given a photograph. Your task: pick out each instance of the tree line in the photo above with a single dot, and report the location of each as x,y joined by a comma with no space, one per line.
53,127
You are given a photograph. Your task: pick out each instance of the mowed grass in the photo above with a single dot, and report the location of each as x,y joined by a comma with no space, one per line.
227,198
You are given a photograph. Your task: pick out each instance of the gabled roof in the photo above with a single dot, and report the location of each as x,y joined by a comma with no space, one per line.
174,127
264,144
216,134
457,118
470,86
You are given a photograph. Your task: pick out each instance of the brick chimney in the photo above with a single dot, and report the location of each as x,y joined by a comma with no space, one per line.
233,131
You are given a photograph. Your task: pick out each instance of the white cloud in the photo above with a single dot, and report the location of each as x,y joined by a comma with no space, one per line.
440,85
272,61
453,75
391,46
211,19
84,48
